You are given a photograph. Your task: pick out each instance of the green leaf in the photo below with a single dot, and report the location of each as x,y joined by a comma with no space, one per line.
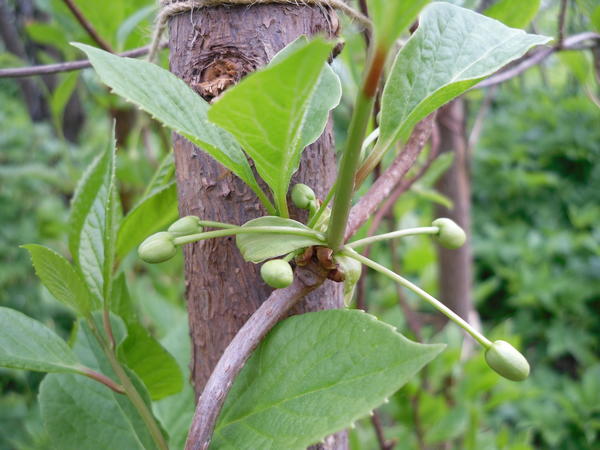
391,18
163,175
326,96
267,113
61,279
452,50
91,221
257,247
28,344
172,102
313,375
81,414
514,13
60,97
154,213
176,412
151,362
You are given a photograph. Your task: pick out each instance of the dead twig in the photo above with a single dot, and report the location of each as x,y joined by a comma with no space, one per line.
19,72
536,57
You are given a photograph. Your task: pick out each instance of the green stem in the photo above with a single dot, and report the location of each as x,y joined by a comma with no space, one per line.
348,167
313,221
282,207
138,402
351,156
485,342
211,224
392,235
130,391
265,201
247,230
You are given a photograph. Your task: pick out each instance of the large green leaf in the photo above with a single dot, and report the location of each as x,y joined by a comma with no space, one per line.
451,51
151,362
27,344
391,18
514,13
61,279
91,221
176,412
267,113
257,247
326,96
154,213
172,102
313,375
82,414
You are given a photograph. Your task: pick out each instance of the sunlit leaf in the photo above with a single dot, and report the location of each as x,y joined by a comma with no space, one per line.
267,112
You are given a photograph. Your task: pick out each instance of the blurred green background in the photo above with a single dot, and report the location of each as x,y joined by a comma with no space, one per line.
536,205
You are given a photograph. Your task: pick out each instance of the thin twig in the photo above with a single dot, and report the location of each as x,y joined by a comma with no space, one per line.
384,444
87,26
236,354
367,205
536,57
364,9
101,378
562,13
18,72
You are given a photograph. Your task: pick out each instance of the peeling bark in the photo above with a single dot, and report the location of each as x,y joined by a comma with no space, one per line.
212,49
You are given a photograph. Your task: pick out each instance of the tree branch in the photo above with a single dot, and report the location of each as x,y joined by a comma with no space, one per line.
562,13
384,185
536,57
87,26
19,72
306,280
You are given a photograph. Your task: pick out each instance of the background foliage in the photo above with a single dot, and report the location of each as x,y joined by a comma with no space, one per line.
536,197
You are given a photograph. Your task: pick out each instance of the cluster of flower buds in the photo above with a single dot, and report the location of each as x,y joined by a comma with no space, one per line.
161,247
277,273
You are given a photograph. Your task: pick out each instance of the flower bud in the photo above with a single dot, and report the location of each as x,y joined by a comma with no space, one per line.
507,361
450,235
303,196
352,270
157,248
277,273
185,226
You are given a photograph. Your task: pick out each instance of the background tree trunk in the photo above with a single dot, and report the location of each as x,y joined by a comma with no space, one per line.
211,49
456,266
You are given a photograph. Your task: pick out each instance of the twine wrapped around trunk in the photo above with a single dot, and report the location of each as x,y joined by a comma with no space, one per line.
170,8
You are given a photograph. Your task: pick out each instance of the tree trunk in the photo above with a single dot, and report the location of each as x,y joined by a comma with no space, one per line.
455,266
210,50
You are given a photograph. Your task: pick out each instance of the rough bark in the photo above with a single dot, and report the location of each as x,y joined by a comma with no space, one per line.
210,50
455,266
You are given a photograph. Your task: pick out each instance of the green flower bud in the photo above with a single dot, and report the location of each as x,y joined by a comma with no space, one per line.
157,248
352,271
185,226
450,235
277,273
303,196
507,361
